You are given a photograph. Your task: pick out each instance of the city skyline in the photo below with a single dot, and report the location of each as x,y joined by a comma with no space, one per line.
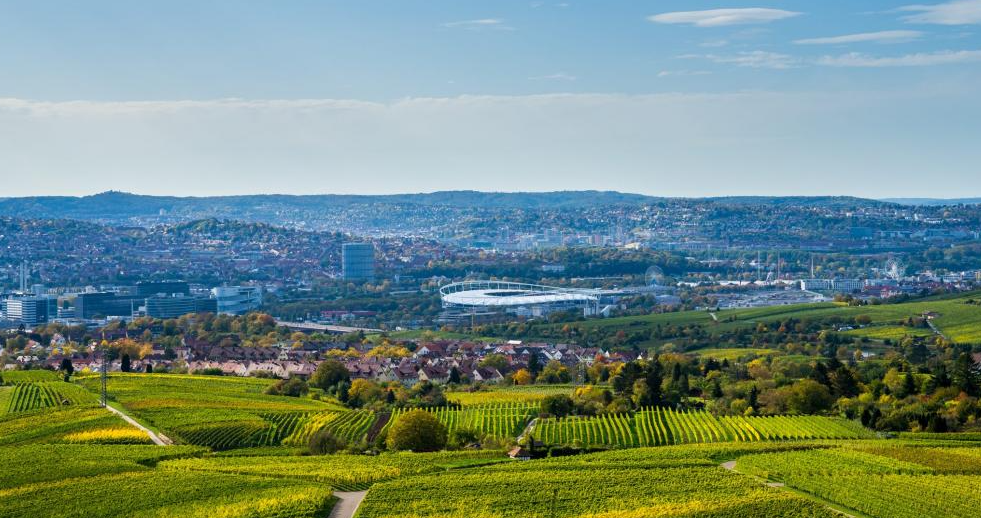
684,99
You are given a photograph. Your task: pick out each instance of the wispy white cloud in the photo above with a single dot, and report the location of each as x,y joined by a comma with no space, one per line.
682,73
558,76
751,59
723,17
712,44
958,12
480,24
864,37
945,57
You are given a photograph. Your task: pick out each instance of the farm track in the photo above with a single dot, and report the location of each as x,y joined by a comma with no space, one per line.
731,466
347,503
159,440
530,427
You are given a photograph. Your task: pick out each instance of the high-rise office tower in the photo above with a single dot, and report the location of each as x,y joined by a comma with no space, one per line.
358,261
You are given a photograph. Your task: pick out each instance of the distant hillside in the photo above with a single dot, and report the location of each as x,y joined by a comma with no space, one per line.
399,213
933,202
115,204
799,201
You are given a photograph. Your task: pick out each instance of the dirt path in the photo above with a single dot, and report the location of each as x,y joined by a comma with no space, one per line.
731,466
530,427
159,440
347,503
936,329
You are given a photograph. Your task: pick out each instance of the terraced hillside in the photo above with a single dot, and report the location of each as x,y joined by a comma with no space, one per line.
225,412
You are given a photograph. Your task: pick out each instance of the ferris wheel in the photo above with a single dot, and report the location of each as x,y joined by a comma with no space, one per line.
654,276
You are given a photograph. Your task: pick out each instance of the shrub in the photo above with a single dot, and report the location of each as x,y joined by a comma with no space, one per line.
558,405
324,443
328,374
462,437
293,387
417,431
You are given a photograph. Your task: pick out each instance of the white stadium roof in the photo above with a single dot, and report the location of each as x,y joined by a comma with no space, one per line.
511,294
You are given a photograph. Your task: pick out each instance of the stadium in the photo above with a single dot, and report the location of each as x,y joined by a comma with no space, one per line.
486,299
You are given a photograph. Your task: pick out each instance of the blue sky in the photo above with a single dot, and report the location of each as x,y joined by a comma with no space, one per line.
677,98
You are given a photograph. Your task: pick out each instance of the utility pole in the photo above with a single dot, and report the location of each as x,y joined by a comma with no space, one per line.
105,368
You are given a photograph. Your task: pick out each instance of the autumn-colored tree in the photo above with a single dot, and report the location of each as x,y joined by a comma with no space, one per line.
522,377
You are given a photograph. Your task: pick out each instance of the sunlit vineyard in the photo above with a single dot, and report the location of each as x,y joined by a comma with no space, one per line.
634,483
658,427
38,463
42,394
14,377
168,493
351,426
112,435
512,394
218,412
883,479
500,420
823,461
897,496
50,424
343,472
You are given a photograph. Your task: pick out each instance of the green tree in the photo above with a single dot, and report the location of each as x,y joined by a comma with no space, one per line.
534,365
417,431
67,368
125,364
497,361
809,397
324,443
909,385
463,437
558,405
293,387
964,375
555,372
329,374
844,382
653,376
